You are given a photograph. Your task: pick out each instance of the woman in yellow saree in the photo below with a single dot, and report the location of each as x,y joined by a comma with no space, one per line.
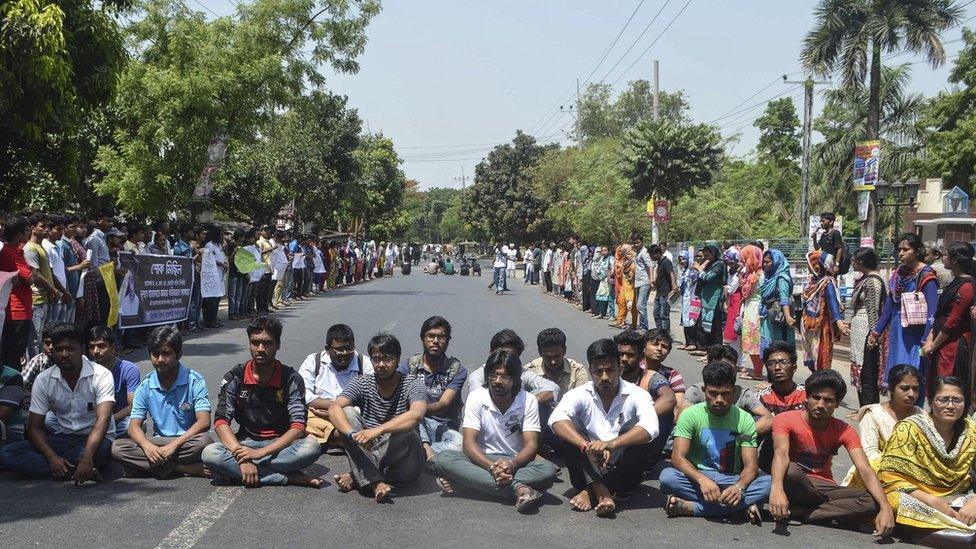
925,470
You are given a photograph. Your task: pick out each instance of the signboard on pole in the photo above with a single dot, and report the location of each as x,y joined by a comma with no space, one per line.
662,213
155,289
867,165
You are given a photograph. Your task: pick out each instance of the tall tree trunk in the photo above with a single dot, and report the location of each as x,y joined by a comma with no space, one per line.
873,130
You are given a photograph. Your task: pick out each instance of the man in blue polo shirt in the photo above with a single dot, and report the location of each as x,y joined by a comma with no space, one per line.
125,374
176,399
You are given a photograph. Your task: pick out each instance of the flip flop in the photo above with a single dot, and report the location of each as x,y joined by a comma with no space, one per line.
525,504
445,486
754,515
670,505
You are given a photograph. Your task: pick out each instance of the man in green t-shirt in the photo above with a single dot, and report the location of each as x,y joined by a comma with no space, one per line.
47,289
715,457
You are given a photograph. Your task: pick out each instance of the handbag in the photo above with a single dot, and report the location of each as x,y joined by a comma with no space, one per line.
775,313
914,308
694,308
603,290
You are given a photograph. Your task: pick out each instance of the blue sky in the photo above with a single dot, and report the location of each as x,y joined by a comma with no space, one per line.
448,79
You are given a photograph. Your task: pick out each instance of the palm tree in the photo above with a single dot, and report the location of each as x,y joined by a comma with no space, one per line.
848,32
851,35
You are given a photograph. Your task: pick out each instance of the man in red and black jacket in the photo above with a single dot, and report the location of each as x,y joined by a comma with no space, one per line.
267,399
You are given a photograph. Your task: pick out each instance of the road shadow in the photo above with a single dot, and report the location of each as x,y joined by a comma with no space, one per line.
31,499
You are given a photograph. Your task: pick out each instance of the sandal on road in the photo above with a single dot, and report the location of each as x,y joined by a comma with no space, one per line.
754,515
672,507
528,500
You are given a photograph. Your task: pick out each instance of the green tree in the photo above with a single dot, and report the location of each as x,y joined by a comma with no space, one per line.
949,122
501,203
851,35
377,195
844,121
596,116
744,202
192,78
669,160
636,103
602,116
779,134
592,186
59,64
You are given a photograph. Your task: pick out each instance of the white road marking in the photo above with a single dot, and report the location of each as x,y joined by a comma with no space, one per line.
203,516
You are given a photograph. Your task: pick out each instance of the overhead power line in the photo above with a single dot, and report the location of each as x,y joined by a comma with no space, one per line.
643,53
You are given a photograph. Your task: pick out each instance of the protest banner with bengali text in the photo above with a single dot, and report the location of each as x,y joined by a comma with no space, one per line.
156,289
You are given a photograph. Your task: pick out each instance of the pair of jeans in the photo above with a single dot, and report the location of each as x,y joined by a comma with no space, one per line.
39,320
273,469
24,458
459,469
395,458
195,303
499,279
439,434
235,290
662,313
643,294
527,273
535,274
676,483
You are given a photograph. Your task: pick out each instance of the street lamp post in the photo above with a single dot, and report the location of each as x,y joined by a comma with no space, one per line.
895,196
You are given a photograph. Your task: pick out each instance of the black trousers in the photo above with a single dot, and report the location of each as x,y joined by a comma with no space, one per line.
264,293
16,335
585,295
547,276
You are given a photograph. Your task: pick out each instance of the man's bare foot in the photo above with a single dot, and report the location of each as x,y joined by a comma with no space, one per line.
582,501
381,491
345,482
526,498
301,479
605,504
193,470
429,452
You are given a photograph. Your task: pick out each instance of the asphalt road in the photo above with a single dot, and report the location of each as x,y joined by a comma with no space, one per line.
188,512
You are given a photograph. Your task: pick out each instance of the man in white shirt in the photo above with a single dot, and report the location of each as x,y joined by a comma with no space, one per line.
80,393
545,392
547,266
501,438
611,423
498,265
326,374
279,269
512,255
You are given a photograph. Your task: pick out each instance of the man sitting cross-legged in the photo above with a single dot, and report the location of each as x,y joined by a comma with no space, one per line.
715,458
501,437
377,416
326,374
175,398
81,395
267,399
804,443
611,423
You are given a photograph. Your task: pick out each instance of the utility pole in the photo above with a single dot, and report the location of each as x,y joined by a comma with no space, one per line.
655,232
463,179
579,129
575,111
808,85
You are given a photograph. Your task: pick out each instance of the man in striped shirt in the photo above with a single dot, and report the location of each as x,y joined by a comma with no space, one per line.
378,416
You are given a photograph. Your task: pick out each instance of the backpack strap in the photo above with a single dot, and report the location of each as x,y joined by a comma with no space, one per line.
318,364
413,364
360,364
